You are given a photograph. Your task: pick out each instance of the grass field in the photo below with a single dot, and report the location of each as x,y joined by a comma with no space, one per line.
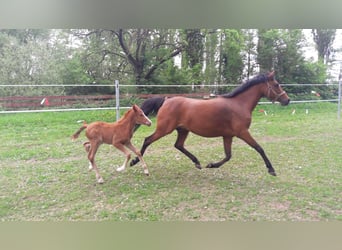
44,176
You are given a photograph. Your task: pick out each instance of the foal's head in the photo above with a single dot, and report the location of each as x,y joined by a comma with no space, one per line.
140,117
274,91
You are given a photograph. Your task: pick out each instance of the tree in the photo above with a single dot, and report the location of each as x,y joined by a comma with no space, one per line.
144,50
284,47
266,49
27,58
210,54
193,53
250,52
324,39
231,56
280,50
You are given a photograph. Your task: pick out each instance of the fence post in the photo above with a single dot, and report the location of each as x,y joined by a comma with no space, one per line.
117,99
339,99
339,93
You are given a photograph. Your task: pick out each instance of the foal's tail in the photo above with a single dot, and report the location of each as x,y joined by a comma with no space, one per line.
76,135
151,106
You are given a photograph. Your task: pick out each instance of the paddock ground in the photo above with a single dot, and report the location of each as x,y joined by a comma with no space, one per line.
44,176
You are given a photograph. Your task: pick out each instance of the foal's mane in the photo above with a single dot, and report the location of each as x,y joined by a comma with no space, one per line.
244,86
126,114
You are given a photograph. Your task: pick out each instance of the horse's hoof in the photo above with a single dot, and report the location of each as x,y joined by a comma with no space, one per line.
198,166
133,162
272,173
210,165
100,181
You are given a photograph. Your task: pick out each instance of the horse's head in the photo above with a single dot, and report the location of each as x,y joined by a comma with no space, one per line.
275,92
140,117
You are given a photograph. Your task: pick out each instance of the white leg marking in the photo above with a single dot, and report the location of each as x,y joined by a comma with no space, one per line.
123,167
100,180
90,167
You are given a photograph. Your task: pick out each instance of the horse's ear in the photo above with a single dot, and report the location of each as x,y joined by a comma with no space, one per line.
271,75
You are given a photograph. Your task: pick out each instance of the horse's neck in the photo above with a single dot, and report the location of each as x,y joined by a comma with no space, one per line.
250,97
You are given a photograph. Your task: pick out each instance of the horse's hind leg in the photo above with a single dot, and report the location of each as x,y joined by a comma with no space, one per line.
182,135
227,143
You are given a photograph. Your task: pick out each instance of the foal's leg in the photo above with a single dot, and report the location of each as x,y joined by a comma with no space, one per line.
159,133
137,152
227,143
91,156
87,147
122,148
182,135
251,142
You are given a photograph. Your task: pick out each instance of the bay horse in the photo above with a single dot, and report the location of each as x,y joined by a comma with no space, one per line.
118,134
226,116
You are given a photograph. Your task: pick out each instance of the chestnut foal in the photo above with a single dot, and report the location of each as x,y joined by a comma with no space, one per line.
118,134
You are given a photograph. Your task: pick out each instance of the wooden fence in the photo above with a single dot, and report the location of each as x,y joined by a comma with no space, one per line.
35,102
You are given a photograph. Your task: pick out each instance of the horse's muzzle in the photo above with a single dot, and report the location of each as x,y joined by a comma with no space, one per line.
285,102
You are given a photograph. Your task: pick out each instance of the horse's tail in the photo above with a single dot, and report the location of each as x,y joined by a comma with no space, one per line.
151,106
76,135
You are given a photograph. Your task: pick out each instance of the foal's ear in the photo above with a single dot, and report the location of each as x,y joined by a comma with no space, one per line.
271,75
135,108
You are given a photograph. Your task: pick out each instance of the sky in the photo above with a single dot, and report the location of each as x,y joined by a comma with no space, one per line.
311,53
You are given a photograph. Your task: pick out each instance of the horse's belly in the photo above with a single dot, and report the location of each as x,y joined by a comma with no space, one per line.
212,132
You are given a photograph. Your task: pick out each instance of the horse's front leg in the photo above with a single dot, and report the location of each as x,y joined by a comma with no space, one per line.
251,142
227,143
137,152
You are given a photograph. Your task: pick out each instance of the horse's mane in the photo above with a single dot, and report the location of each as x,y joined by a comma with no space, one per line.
246,85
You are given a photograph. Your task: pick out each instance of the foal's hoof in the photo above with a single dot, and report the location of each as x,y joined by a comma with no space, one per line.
120,169
146,172
272,173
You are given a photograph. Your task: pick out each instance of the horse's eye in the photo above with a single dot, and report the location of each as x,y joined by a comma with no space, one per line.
277,85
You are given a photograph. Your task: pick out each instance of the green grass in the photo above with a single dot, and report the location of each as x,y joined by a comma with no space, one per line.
44,176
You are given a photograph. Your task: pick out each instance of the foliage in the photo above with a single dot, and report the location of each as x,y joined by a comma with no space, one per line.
172,75
232,63
192,57
281,50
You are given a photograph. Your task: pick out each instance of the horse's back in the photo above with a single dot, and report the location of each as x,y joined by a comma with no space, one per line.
209,118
